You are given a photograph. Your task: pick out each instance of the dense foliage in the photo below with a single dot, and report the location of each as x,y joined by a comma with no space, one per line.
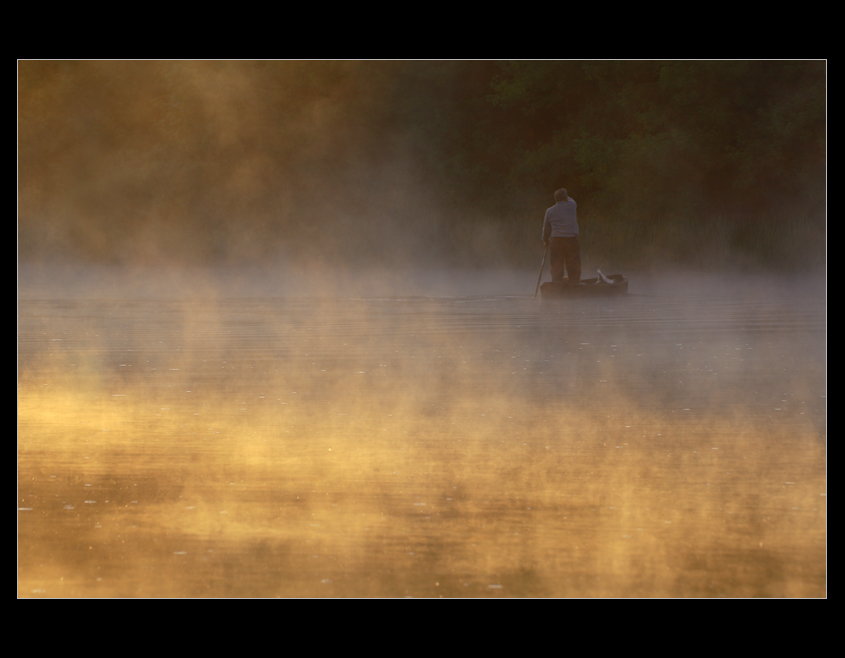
686,161
671,160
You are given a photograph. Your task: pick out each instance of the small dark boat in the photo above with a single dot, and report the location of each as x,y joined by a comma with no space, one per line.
587,288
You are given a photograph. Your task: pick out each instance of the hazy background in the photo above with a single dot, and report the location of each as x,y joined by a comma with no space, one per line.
276,333
408,164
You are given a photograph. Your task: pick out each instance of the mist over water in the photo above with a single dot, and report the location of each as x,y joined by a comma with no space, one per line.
276,331
267,280
269,433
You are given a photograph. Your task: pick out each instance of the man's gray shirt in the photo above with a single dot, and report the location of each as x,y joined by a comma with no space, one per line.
561,220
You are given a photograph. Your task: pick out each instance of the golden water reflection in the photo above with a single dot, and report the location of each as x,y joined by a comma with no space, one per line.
484,447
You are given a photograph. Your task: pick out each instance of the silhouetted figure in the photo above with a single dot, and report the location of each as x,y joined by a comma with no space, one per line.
560,230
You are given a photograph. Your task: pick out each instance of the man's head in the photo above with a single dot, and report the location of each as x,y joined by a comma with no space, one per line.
561,195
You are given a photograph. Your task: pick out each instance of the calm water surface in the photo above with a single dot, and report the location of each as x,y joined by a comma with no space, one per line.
671,443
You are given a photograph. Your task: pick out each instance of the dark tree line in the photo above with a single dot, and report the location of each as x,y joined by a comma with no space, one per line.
236,160
664,157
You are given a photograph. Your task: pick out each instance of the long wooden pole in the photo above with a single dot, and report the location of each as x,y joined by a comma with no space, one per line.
542,265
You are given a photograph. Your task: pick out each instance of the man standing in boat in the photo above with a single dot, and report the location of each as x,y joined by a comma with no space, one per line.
560,230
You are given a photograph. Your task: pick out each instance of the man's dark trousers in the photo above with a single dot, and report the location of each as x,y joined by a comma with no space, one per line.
565,253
